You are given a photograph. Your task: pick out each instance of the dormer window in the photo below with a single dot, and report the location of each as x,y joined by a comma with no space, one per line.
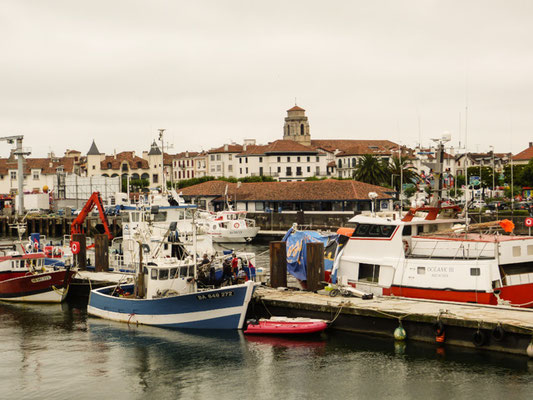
125,167
139,164
109,165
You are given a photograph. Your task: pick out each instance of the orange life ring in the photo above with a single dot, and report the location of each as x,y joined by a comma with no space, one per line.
236,225
405,246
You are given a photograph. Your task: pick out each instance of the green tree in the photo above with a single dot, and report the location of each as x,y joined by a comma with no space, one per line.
454,195
371,170
402,172
409,191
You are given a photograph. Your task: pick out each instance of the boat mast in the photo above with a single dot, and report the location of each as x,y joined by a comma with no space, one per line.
139,287
163,182
438,169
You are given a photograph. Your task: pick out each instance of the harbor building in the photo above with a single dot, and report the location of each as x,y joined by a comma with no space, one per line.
126,165
284,160
328,195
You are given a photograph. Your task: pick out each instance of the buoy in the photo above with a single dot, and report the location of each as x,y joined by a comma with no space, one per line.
478,338
529,350
399,333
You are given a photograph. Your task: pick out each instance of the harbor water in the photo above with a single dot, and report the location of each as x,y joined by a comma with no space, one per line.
58,351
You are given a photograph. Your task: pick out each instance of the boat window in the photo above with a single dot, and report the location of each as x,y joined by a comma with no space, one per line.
475,271
145,271
161,216
125,217
517,251
153,274
368,272
407,231
181,215
173,273
371,230
163,274
134,217
184,271
188,214
421,270
529,250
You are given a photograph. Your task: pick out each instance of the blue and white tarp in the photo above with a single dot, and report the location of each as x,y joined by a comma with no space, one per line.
296,242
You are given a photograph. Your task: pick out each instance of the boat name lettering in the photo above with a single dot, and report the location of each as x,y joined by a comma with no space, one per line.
41,279
440,269
215,295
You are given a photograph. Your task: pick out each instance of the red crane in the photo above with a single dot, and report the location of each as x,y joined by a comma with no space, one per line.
94,200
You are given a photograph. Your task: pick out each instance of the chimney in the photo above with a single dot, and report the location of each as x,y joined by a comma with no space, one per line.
115,153
226,148
530,144
187,154
244,147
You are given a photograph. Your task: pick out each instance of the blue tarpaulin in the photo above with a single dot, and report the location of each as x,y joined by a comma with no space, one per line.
297,251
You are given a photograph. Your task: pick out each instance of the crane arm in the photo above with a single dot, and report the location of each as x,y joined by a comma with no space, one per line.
94,201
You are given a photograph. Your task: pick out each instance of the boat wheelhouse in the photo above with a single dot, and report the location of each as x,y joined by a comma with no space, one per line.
229,226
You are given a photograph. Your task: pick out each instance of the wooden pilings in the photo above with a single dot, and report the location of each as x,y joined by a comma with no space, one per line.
81,257
101,249
278,264
315,266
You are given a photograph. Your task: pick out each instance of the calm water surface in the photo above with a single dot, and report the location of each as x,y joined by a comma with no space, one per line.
58,352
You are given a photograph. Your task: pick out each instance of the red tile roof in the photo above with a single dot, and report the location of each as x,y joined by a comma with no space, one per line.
278,146
125,156
295,108
524,155
232,148
329,189
45,165
352,146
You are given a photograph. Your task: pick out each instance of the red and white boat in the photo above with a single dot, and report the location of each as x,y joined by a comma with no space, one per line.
25,278
431,254
285,326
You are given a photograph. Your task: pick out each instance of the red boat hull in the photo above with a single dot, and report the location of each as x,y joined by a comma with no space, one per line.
265,327
517,295
42,287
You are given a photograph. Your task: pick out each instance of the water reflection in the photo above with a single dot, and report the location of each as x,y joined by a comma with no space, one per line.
57,351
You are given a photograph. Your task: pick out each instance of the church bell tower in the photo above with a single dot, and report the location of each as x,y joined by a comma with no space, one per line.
297,126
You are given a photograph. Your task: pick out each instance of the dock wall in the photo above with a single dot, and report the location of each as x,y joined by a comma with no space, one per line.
464,325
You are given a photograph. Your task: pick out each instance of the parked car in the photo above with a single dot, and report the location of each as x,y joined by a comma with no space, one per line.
477,204
522,205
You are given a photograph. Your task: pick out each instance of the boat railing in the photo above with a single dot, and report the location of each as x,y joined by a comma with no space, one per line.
451,249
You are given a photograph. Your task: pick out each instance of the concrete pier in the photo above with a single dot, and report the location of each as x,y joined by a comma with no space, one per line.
495,328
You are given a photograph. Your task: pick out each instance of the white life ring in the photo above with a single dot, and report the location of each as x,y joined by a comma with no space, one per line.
236,225
214,227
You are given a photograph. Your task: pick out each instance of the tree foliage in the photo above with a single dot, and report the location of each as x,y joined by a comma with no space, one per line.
371,170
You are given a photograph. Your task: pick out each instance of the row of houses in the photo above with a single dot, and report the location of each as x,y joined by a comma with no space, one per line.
294,157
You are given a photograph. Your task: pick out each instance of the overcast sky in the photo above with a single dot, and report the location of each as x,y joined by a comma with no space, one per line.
211,72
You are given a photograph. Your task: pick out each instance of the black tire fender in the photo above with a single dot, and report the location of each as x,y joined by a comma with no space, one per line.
479,338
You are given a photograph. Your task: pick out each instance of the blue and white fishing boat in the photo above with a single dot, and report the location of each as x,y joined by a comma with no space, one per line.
168,293
169,296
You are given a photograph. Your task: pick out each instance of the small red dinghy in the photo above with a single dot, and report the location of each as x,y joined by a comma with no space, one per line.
285,326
